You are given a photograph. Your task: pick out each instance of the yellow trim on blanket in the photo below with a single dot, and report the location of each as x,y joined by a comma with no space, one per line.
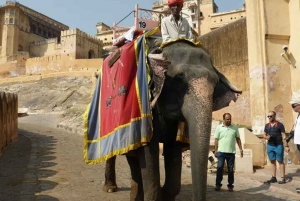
117,152
178,39
123,126
85,131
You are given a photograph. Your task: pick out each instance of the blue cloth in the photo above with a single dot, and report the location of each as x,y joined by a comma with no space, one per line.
275,152
230,158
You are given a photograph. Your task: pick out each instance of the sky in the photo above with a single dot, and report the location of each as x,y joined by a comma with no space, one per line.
85,14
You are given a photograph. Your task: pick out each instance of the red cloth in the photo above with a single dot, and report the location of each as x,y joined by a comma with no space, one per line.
172,2
121,109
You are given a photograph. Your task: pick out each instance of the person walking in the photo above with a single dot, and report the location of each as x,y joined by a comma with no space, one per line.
274,132
226,135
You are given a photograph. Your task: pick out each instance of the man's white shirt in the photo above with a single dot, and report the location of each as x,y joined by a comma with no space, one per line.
170,30
297,131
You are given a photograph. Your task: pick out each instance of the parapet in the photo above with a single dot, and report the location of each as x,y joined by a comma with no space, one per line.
78,32
43,42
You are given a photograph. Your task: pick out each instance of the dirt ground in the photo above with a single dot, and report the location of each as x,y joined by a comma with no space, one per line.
46,163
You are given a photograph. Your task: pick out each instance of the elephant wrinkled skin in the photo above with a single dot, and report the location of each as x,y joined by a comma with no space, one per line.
192,90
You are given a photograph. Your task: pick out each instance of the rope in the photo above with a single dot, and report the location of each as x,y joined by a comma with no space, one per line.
125,17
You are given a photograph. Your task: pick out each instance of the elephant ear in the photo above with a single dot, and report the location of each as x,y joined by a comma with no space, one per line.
159,66
224,92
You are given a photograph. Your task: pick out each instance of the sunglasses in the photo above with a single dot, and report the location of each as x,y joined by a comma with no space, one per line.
294,105
270,116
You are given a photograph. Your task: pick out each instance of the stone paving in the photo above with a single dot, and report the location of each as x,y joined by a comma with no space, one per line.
46,164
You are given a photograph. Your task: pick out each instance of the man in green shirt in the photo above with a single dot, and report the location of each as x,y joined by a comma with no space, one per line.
226,135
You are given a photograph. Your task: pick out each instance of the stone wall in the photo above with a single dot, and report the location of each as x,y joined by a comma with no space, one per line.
60,63
8,119
228,48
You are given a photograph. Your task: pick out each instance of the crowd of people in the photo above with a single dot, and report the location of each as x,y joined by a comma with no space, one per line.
227,134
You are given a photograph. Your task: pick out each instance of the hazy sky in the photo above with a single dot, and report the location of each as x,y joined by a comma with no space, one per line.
85,14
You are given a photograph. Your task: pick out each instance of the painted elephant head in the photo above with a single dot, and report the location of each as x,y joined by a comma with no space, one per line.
192,90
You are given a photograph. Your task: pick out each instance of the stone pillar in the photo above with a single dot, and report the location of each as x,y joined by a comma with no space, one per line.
268,29
257,63
294,7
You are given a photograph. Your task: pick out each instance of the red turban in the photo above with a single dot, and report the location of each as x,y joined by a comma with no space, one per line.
172,2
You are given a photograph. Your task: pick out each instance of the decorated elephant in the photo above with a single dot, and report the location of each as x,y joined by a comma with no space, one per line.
192,89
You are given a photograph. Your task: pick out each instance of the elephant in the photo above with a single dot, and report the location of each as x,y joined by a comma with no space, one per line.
192,90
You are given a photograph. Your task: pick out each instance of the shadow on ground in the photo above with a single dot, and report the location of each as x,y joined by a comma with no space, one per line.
224,195
23,168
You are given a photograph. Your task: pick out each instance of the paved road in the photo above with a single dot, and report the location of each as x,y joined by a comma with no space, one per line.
46,164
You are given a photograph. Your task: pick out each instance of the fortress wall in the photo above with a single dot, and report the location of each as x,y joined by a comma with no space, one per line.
44,48
60,63
88,64
6,67
44,76
228,48
8,119
26,38
75,40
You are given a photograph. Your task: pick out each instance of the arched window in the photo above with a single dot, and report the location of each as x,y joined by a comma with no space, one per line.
11,20
91,54
40,31
45,33
20,48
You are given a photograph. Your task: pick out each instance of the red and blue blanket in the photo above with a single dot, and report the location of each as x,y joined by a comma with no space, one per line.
119,119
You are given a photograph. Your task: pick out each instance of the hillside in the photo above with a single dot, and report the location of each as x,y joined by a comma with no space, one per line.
64,96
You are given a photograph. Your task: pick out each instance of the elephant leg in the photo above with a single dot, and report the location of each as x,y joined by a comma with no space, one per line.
110,184
149,163
173,166
137,193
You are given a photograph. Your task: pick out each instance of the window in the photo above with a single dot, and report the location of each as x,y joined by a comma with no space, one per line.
194,25
201,14
11,20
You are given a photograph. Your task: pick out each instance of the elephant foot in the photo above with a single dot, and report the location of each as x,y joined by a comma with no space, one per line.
167,196
110,188
136,193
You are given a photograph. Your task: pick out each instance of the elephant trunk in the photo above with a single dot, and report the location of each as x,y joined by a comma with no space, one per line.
197,109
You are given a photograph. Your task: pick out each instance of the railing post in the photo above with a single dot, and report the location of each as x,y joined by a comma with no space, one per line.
4,118
114,30
1,123
16,136
9,123
136,17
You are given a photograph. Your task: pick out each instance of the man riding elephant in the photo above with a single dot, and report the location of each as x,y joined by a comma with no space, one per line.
190,91
174,26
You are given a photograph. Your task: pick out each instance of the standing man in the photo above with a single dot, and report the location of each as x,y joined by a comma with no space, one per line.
296,107
275,133
174,26
226,135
